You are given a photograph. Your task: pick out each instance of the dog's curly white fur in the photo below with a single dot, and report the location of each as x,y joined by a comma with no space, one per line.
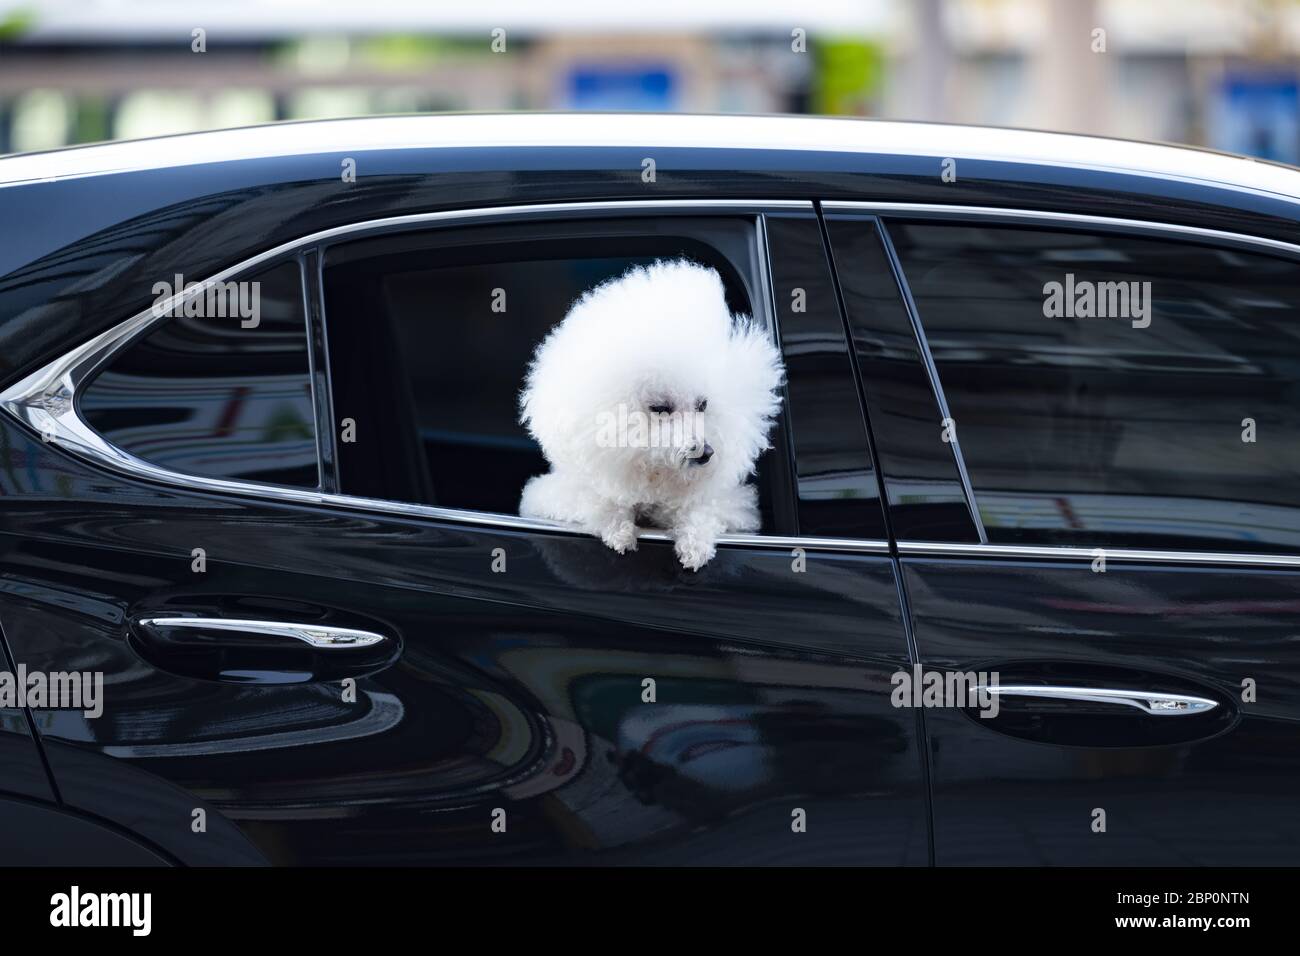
651,401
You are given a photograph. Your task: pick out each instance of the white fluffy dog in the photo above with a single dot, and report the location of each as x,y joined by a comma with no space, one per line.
651,402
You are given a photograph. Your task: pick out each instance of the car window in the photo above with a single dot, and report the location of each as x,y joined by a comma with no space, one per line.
1114,389
430,335
219,389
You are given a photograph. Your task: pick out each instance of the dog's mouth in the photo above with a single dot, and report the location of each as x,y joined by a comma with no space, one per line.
702,458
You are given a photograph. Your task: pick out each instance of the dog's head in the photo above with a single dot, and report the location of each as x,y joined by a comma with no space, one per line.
651,383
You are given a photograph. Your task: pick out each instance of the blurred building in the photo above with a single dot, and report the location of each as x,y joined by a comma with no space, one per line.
1216,72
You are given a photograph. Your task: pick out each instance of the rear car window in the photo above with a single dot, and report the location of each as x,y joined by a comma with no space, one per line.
222,394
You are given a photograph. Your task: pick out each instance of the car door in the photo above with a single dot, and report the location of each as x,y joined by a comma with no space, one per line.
289,543
1118,401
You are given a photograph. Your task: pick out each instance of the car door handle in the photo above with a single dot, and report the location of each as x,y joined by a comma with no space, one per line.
1154,703
259,651
320,637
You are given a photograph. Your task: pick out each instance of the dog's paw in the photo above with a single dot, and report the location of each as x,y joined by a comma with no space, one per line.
694,551
620,536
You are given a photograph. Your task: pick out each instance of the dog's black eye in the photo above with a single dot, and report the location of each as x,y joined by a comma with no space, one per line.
661,409
702,404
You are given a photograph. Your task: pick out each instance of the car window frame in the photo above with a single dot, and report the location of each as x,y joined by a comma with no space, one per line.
164,314
45,400
993,215
739,238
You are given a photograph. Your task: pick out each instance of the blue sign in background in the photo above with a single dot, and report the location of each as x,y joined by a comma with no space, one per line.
622,88
1259,114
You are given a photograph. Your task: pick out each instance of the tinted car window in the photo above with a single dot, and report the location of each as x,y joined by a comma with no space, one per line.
430,336
1116,390
225,393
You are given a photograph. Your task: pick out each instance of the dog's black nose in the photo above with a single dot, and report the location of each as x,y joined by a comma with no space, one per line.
705,454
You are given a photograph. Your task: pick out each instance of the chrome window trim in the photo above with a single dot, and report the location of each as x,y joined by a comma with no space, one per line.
45,399
1032,552
1046,217
304,294
932,374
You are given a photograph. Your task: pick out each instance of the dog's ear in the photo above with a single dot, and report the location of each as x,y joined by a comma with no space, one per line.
541,410
756,365
751,396
554,408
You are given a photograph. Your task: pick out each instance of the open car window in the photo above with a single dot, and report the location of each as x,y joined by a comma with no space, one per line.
430,334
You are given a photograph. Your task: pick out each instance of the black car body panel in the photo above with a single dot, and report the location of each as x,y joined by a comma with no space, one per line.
521,691
1025,795
540,699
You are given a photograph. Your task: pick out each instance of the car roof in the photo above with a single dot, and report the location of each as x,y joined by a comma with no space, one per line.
656,130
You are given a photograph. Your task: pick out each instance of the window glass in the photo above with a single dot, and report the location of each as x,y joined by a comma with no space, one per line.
221,389
430,336
1116,390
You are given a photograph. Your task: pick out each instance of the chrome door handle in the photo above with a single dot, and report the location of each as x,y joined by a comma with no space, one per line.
240,650
321,637
1149,702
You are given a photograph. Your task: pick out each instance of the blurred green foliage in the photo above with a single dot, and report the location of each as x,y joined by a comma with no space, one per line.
848,76
397,52
16,22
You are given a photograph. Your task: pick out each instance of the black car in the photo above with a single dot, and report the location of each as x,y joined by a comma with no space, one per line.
260,465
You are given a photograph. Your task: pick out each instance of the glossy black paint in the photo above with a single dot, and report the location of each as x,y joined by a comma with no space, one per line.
20,756
1222,795
37,834
520,691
